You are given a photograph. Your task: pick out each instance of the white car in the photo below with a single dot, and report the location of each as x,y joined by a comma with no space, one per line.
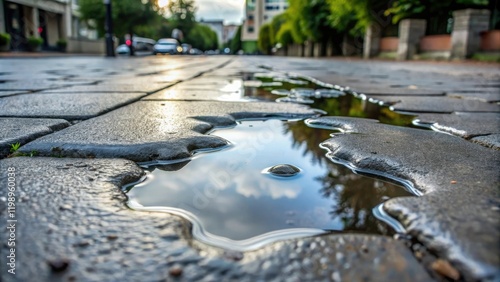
167,46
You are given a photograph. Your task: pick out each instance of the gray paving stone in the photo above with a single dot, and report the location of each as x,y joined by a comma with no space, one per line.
465,125
112,88
72,211
146,131
65,106
336,258
10,93
491,141
461,225
459,180
438,105
394,91
193,95
37,84
480,96
23,130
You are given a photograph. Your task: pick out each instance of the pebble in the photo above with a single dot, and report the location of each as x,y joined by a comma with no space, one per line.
284,170
58,265
444,268
175,271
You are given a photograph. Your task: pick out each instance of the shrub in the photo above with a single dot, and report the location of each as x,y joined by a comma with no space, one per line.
4,39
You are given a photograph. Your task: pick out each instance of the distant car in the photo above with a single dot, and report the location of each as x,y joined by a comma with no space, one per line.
122,49
186,48
142,46
167,46
195,51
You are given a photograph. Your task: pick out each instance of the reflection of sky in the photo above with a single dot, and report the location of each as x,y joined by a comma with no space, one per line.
232,197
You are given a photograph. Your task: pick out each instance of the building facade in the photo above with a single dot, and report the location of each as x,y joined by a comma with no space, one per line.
257,13
50,20
229,32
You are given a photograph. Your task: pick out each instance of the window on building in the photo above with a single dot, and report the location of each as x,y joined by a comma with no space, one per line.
272,7
250,17
250,29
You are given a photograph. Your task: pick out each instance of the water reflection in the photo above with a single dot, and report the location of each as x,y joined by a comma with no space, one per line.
232,198
346,105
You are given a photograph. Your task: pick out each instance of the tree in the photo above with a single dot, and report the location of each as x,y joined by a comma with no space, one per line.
235,43
128,15
402,9
284,35
182,14
202,37
264,40
354,16
276,23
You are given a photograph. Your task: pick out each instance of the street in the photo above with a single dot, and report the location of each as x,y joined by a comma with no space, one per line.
87,128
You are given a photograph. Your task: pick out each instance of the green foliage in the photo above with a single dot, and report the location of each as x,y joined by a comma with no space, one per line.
34,42
284,35
202,37
264,42
182,15
235,43
354,16
309,20
14,147
4,39
128,15
402,9
276,24
61,43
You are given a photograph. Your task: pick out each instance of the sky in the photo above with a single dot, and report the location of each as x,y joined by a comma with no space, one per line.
230,11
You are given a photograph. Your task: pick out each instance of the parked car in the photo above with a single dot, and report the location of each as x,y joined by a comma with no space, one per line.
186,48
195,51
122,50
142,46
167,46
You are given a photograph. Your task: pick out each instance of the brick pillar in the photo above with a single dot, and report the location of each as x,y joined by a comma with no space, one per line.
465,38
371,45
410,33
317,49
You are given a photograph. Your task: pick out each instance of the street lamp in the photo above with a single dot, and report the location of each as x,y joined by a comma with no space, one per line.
110,52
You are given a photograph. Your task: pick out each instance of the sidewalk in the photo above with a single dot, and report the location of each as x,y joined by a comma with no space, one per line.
84,123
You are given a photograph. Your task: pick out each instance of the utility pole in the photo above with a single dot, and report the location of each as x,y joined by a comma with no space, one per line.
110,52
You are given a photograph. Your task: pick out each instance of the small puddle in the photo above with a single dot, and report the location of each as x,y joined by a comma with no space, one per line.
333,100
272,182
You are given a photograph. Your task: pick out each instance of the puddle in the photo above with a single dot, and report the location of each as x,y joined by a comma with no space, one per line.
235,201
332,100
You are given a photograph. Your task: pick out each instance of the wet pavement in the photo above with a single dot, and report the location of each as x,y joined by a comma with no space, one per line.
87,127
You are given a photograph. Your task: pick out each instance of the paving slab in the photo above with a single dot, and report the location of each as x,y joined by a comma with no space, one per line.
146,131
38,84
466,125
66,106
23,130
72,224
437,104
346,257
112,88
394,91
458,215
10,93
460,225
489,97
194,95
490,141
